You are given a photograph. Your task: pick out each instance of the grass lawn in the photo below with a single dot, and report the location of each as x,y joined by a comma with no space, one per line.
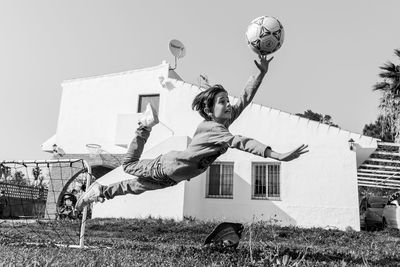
156,242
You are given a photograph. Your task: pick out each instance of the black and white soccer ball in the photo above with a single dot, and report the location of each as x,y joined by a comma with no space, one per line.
265,35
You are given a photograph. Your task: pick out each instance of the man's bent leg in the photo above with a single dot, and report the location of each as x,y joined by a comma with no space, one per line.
136,146
135,150
135,186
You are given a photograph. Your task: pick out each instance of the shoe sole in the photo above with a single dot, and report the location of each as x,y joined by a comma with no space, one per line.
153,121
81,202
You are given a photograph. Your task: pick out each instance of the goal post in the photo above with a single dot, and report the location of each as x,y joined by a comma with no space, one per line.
41,194
85,209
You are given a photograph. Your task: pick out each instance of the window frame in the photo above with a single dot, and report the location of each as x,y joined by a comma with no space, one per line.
253,180
140,97
220,196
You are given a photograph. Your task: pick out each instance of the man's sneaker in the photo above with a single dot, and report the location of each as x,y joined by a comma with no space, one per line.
93,194
149,118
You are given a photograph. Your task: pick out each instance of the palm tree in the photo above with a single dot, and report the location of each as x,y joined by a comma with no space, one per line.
390,101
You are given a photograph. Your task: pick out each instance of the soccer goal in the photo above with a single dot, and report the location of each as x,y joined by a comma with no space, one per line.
38,200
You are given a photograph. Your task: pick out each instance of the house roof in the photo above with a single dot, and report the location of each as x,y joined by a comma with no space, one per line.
172,74
165,69
286,113
162,66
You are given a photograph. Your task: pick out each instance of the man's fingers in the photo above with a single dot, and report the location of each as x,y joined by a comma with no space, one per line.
300,148
303,146
305,151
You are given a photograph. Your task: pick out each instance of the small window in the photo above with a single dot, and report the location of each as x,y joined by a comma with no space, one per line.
266,181
220,180
154,100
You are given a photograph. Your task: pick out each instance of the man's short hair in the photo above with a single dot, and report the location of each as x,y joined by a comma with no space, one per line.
205,99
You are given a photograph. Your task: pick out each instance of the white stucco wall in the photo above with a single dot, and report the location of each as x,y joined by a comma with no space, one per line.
319,189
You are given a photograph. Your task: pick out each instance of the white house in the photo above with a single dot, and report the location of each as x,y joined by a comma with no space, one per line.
317,190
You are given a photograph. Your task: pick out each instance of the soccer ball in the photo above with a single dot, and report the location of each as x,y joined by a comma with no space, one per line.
265,35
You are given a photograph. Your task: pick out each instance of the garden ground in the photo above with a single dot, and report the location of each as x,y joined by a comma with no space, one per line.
157,242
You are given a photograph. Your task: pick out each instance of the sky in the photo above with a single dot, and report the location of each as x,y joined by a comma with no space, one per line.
328,62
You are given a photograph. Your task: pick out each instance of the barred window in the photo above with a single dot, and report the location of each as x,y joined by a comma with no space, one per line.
220,180
154,100
266,181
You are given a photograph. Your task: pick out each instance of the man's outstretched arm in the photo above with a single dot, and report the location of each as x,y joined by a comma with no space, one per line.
251,88
221,135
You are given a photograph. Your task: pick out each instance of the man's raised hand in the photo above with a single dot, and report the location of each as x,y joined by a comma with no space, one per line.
263,64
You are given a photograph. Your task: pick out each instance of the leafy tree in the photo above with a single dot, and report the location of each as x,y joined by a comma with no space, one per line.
389,86
375,191
4,171
326,119
379,129
36,172
18,179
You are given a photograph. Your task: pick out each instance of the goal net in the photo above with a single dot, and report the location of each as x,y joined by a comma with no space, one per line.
37,201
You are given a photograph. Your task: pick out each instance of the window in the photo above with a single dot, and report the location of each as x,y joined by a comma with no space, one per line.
220,180
154,100
266,181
